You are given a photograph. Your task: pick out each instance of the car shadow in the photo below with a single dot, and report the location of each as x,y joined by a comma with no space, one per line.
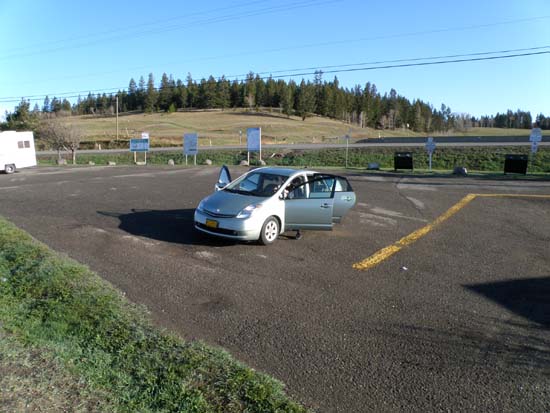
174,226
528,297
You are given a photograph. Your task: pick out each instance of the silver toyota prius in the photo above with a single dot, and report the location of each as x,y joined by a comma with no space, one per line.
264,202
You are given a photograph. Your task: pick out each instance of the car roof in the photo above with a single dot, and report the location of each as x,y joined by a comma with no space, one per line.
281,171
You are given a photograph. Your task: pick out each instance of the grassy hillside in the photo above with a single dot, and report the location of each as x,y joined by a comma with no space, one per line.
222,128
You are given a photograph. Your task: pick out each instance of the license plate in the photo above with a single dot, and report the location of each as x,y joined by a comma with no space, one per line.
211,223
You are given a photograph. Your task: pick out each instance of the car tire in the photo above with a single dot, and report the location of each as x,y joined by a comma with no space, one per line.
270,231
9,169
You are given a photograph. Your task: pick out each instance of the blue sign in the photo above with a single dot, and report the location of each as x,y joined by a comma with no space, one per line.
254,139
190,144
139,145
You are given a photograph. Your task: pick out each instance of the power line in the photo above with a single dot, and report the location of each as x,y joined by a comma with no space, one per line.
140,25
329,43
392,61
355,69
207,21
418,64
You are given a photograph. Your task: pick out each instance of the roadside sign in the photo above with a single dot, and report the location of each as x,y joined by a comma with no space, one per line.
191,146
536,135
144,135
254,139
139,145
253,142
430,145
534,147
190,143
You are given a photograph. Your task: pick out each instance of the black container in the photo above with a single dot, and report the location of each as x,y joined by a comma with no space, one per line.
402,160
516,164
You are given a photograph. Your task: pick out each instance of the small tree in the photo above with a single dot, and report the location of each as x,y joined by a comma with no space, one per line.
60,136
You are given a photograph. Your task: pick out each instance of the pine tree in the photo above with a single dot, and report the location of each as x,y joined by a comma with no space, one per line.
287,98
165,93
132,95
192,91
222,93
305,100
180,95
151,95
140,95
46,107
236,94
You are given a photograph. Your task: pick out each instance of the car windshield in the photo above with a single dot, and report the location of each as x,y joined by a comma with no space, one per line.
259,183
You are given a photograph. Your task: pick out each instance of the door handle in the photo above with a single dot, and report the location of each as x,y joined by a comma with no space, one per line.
325,206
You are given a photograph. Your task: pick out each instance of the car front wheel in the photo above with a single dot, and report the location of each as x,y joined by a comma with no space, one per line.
9,169
270,231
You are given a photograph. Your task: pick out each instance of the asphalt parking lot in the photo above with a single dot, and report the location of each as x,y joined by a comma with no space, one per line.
458,320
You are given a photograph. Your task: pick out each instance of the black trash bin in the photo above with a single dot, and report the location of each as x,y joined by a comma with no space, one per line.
516,164
403,160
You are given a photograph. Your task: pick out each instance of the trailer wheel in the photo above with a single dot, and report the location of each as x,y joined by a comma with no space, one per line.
9,169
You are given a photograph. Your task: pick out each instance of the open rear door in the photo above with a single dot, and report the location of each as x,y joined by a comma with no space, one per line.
310,205
223,178
344,198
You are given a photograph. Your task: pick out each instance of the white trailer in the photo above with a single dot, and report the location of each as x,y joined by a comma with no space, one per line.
16,151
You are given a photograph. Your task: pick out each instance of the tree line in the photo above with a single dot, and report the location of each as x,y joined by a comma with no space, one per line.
364,105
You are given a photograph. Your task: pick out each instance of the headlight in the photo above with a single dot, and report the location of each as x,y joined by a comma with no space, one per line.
248,211
200,207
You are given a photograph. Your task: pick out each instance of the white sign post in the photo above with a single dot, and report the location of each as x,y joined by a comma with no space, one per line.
254,141
191,145
535,138
430,147
144,135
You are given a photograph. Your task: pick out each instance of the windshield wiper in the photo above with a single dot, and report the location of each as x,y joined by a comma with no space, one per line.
237,191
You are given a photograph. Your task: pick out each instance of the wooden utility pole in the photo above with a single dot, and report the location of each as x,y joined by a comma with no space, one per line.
117,118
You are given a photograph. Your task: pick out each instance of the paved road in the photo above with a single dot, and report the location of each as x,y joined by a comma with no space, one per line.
465,328
447,141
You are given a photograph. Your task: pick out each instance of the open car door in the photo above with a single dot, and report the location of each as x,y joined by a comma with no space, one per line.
344,198
224,178
310,205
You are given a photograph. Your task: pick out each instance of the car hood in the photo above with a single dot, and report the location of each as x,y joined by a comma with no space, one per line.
229,203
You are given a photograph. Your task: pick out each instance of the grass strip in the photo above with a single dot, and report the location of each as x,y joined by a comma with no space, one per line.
33,379
52,302
489,159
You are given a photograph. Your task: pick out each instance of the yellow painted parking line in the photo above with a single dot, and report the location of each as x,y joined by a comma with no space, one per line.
388,251
513,196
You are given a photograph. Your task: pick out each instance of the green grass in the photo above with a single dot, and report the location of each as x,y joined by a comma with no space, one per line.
54,305
33,379
490,159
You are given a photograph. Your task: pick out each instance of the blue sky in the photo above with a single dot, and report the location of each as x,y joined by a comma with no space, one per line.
63,46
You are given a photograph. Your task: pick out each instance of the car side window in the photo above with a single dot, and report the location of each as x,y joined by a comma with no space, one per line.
296,189
342,185
321,187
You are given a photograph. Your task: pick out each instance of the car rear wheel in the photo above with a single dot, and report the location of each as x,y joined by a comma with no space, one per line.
9,169
270,231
